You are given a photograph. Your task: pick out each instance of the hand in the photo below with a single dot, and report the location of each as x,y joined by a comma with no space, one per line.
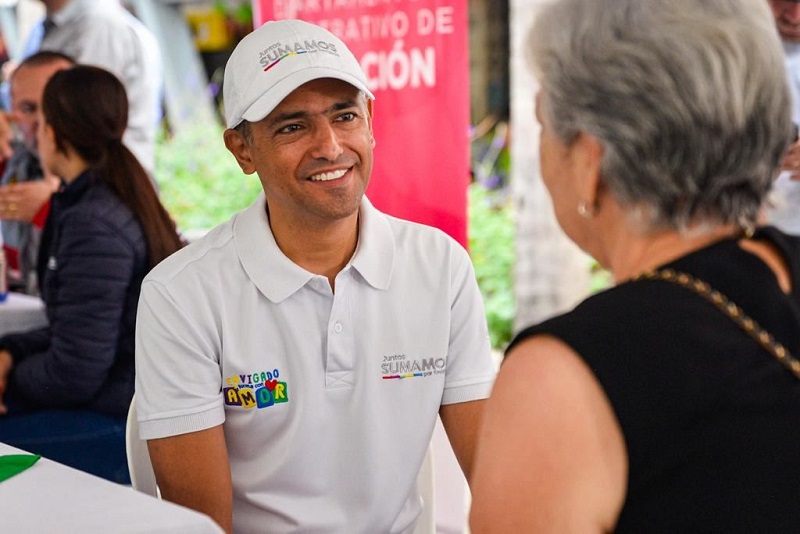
22,201
7,134
6,364
791,161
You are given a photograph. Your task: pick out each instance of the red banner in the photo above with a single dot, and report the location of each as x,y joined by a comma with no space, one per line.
415,56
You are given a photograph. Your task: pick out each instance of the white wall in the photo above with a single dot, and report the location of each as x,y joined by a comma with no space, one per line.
552,274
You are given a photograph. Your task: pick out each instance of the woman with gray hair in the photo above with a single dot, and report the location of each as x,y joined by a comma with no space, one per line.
670,402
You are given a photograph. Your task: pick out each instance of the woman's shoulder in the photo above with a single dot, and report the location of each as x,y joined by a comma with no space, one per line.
101,203
603,313
99,213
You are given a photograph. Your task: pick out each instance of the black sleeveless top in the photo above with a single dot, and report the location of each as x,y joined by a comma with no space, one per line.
711,421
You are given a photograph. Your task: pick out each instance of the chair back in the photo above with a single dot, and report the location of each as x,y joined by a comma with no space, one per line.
426,523
142,477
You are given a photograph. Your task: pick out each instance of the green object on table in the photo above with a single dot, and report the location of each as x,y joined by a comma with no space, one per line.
12,464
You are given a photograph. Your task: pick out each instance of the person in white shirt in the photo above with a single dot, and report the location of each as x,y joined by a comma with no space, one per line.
785,214
291,365
104,34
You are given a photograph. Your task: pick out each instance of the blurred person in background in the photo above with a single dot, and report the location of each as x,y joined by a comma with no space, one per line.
103,33
785,211
66,388
669,402
24,188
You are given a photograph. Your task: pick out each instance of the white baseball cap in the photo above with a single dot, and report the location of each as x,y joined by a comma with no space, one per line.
277,58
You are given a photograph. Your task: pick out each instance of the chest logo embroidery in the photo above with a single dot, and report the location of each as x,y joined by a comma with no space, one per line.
260,389
398,366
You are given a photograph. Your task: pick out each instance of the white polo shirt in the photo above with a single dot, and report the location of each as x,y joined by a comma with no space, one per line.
328,400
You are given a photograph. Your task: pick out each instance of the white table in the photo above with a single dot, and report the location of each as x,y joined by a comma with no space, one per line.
53,498
19,313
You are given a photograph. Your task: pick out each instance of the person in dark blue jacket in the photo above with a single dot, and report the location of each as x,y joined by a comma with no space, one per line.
65,389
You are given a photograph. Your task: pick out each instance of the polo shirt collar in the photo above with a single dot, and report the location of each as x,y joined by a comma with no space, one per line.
277,277
374,256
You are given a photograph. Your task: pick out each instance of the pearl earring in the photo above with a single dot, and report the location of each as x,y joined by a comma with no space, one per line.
584,211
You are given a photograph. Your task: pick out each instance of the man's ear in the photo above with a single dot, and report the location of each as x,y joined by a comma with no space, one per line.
591,157
370,111
241,150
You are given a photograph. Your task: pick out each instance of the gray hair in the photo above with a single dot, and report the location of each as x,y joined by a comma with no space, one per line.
689,99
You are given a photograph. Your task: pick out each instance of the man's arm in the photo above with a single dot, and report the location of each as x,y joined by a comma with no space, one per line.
462,422
469,361
193,470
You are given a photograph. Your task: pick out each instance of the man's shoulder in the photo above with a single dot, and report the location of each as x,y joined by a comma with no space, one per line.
412,231
80,11
207,254
417,240
106,22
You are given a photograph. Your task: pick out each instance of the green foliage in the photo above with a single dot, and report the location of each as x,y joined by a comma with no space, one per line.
491,245
201,183
600,278
239,12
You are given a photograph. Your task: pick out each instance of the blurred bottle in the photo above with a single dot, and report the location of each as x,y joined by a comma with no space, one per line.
3,275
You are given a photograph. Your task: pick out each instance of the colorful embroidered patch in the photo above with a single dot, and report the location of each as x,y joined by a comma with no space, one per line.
256,390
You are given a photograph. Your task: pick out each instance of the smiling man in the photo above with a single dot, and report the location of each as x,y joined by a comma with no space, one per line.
292,364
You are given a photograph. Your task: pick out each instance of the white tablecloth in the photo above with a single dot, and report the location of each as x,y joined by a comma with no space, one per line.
50,497
19,313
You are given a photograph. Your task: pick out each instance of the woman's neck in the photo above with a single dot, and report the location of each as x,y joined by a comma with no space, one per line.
632,254
72,168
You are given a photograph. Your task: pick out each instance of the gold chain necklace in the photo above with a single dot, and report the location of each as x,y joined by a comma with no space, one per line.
752,328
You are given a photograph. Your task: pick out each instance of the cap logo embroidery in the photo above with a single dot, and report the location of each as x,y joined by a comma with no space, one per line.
276,53
305,52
